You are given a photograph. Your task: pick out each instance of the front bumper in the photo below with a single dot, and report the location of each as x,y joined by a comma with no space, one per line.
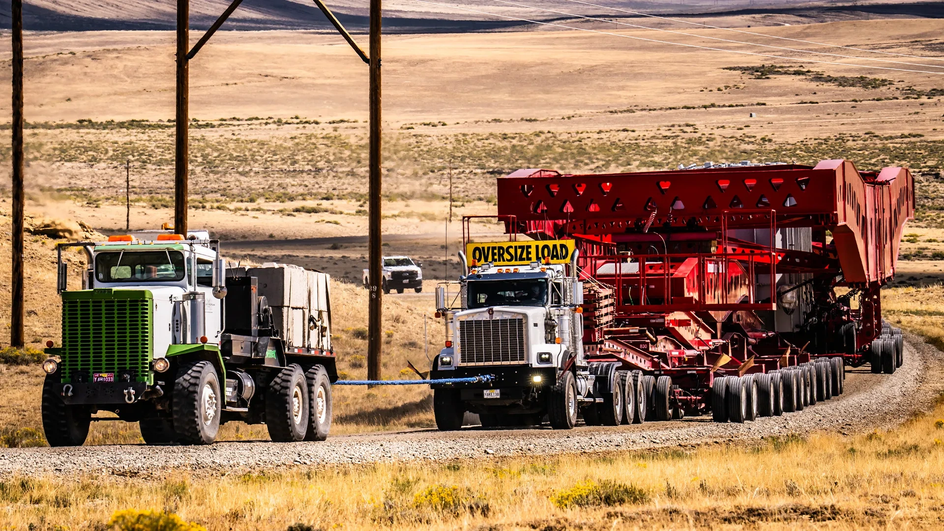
408,283
100,393
510,377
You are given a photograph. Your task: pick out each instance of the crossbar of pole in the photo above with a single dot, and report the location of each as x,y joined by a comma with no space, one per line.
337,25
216,25
17,313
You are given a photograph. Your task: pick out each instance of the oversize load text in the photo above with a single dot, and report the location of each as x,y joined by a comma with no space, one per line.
520,253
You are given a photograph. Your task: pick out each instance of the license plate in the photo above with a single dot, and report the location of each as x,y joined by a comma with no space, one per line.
492,393
101,377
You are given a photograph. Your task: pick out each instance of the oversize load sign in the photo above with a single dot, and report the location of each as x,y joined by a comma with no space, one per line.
520,253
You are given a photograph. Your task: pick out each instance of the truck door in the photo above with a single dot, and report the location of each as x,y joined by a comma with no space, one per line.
214,307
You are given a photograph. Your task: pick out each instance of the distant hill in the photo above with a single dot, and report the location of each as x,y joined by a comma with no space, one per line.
409,16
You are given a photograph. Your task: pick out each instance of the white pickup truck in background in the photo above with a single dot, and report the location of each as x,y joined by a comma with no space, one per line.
399,273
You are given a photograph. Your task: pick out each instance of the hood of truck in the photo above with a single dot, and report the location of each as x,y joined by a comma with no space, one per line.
531,313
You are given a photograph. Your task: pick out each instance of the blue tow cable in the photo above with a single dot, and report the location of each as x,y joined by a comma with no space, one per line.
471,379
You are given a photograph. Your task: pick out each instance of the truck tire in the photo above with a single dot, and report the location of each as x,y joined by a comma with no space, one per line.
400,291
384,286
888,356
719,410
629,396
611,410
418,290
158,430
876,358
448,409
752,397
286,405
64,425
791,390
319,408
765,395
639,383
197,403
776,388
736,398
562,402
663,396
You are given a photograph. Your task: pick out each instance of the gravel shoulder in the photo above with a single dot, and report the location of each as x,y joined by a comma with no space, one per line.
870,401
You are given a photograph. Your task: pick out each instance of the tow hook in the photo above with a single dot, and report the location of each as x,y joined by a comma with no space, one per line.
67,390
129,395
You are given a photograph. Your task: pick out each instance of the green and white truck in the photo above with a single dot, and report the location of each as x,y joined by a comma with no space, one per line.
164,334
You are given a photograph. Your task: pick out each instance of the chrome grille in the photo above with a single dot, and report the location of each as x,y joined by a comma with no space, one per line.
491,341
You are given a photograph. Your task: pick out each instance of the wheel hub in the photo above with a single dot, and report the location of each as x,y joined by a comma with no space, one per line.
297,405
209,404
321,401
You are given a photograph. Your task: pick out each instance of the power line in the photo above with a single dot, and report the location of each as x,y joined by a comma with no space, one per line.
708,37
735,30
671,43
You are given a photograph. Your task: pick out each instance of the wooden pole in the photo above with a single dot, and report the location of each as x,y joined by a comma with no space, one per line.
375,273
128,194
181,161
17,313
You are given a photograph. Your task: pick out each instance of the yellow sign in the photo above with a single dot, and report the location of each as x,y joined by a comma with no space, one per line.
520,253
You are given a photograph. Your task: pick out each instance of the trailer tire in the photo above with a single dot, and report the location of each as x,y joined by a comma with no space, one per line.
64,425
650,382
900,343
319,407
765,395
888,356
629,396
639,383
157,430
719,408
837,364
876,349
287,404
829,369
736,398
848,333
611,412
811,383
752,396
776,388
197,403
663,396
791,390
819,370
562,402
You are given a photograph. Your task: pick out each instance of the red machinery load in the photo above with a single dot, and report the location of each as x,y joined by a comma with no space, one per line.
726,272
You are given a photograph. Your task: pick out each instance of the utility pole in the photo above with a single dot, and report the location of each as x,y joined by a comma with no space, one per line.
128,194
182,121
17,313
375,273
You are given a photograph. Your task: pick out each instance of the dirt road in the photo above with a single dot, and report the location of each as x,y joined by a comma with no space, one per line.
870,401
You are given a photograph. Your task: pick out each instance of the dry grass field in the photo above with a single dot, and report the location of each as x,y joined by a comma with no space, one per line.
881,480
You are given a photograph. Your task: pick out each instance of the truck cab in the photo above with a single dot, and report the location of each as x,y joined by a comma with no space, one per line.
163,334
521,325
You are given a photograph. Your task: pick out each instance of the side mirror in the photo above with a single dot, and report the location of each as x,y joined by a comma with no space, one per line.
62,277
219,278
419,265
440,298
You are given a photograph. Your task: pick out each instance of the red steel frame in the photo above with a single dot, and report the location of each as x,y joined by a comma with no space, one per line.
865,213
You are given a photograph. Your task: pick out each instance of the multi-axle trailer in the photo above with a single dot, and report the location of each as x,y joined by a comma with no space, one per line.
739,291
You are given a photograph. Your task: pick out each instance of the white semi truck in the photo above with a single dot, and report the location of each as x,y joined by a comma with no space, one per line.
517,318
163,334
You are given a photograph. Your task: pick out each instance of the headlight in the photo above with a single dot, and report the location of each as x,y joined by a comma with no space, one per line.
445,360
544,357
50,366
537,378
419,275
160,365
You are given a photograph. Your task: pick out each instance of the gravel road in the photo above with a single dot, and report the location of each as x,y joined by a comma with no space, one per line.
870,401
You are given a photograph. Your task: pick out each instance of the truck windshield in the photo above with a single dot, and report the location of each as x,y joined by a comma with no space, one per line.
507,293
395,262
140,266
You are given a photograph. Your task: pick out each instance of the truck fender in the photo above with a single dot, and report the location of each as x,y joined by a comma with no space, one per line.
209,353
